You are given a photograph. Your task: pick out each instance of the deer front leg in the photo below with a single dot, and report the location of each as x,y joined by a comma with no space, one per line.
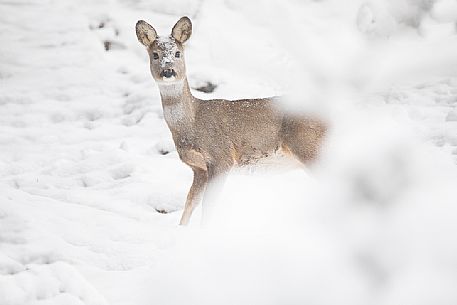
216,180
195,194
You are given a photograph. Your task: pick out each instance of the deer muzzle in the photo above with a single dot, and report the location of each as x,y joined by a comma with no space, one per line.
167,73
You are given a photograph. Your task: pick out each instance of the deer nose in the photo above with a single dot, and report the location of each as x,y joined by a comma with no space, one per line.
168,73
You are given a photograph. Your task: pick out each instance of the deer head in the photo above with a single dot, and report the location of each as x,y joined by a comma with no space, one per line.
166,53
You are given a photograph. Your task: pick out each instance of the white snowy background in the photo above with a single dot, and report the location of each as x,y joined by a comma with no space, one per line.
91,189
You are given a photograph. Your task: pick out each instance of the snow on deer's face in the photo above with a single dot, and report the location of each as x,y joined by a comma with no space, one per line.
166,60
166,53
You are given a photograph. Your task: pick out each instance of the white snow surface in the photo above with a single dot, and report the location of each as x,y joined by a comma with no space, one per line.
91,188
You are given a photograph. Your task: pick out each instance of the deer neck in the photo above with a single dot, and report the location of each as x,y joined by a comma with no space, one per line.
178,104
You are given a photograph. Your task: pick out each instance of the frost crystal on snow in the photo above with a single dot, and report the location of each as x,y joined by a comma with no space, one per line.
168,45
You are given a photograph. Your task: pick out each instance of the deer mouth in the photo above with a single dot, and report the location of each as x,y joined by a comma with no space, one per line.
168,74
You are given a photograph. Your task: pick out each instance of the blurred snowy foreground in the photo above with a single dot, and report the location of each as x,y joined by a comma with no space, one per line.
92,189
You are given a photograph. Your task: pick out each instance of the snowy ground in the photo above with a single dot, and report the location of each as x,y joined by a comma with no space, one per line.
92,190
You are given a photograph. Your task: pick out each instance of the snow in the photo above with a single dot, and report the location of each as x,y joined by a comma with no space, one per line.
168,45
91,188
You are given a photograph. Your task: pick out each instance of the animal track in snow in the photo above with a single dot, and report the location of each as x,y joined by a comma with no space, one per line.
108,34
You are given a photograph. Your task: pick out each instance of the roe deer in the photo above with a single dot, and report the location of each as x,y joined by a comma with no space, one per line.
212,136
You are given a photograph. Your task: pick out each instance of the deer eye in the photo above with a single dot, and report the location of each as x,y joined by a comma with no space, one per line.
178,54
155,55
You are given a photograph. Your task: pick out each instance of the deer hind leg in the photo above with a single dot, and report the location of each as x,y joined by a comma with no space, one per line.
302,138
195,194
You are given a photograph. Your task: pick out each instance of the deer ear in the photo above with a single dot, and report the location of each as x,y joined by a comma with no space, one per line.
182,30
145,33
